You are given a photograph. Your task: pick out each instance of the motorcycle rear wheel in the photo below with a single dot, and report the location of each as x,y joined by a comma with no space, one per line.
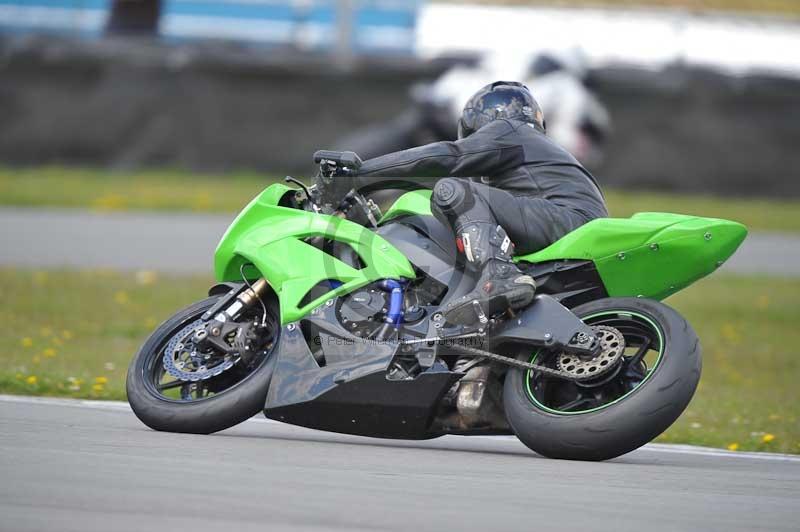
239,393
558,419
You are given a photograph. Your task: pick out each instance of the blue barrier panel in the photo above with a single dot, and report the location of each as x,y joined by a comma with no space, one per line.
385,25
85,18
374,25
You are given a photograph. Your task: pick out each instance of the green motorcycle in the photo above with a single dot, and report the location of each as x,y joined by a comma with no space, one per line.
326,315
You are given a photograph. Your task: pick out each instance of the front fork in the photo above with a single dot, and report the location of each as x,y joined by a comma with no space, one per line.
237,301
223,316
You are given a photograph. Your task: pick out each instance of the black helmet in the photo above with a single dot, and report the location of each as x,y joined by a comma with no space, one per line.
501,99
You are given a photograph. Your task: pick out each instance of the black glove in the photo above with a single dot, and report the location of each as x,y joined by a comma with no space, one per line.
345,160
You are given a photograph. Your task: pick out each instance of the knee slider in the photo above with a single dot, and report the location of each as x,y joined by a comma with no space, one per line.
452,195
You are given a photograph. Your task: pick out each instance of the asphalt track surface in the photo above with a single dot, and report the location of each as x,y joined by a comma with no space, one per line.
84,466
185,243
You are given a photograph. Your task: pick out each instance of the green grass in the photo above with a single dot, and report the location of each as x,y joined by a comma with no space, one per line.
755,213
749,387
162,190
181,191
73,333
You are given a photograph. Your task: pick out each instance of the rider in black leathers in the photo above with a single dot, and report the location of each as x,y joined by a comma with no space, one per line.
524,192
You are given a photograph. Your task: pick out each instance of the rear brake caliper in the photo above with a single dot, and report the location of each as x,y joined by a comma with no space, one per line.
611,347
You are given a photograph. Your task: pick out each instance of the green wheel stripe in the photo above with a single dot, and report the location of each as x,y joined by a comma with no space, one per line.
649,373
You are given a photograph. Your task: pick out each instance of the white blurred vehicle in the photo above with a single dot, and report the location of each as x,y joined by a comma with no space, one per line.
575,117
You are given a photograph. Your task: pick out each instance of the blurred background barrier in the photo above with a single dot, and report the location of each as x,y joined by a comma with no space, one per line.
203,106
697,102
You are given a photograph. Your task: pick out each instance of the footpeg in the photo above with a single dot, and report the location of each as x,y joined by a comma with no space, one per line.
479,312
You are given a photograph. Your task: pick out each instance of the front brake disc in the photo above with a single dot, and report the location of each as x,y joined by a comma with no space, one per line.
182,361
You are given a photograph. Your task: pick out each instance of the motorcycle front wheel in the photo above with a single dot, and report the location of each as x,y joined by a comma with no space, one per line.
165,403
621,410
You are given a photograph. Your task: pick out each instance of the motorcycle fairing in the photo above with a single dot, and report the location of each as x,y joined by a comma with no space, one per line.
413,202
427,243
346,389
650,254
271,237
350,394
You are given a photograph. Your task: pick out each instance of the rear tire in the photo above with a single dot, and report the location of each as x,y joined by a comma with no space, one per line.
627,423
211,414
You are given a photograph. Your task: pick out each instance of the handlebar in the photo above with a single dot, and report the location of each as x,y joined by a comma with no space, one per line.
342,159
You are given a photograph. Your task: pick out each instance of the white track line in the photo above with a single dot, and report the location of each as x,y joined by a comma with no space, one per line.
650,447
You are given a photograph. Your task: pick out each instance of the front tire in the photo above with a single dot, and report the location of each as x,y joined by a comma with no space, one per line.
232,405
629,415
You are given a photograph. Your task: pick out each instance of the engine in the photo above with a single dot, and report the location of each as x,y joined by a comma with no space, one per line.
363,312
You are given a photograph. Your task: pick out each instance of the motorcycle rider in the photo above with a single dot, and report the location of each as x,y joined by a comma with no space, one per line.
522,191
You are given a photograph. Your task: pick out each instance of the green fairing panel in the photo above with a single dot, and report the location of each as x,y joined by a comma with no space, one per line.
414,202
650,254
270,237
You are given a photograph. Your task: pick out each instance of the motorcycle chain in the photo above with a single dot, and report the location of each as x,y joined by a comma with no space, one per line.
518,363
526,365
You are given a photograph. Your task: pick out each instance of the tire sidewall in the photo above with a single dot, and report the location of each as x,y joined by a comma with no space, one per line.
212,414
635,419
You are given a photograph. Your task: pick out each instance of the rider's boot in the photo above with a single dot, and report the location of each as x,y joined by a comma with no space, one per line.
501,285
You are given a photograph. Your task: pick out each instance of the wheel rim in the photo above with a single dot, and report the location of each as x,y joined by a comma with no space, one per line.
644,354
160,383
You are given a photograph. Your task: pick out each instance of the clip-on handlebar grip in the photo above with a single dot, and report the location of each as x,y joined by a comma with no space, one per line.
347,159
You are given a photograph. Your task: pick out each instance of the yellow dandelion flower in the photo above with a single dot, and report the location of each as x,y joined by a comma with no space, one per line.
146,277
768,437
97,388
101,380
731,333
774,417
201,201
32,380
26,342
110,202
733,446
66,335
122,297
49,352
46,331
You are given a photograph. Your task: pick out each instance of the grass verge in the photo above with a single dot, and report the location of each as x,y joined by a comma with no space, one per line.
170,190
160,190
73,334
